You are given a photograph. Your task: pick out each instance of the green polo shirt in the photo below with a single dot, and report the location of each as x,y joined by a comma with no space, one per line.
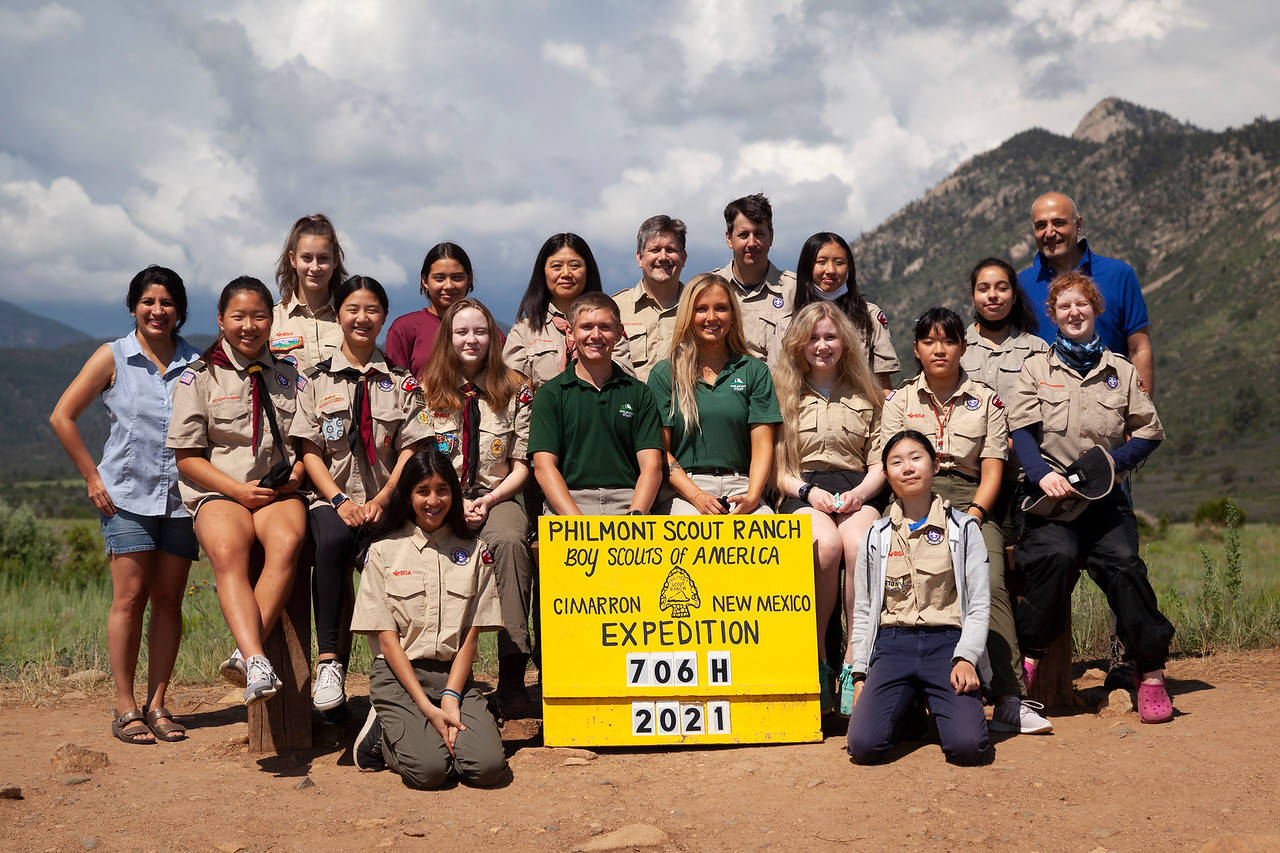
595,433
741,396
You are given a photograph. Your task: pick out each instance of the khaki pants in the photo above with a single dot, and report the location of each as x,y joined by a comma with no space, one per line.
504,532
718,486
415,750
1002,635
603,501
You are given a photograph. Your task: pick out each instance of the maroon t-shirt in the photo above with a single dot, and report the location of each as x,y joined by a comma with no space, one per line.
410,339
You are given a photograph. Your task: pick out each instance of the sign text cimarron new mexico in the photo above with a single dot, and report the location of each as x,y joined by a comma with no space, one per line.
666,630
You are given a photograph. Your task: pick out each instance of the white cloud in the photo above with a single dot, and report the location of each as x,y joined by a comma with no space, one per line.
35,25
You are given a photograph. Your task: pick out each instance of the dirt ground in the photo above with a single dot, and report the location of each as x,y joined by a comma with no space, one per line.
1099,782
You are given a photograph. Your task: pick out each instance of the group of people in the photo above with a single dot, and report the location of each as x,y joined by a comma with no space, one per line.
745,390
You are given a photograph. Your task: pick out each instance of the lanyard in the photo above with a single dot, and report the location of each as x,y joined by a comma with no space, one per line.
942,420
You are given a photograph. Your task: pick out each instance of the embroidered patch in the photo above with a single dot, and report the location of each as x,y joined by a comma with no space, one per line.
884,321
289,359
460,557
738,384
900,585
1143,387
997,402
934,536
526,396
187,377
330,398
972,403
486,557
1112,382
285,342
386,441
446,442
302,383
497,448
778,302
282,380
891,393
626,411
332,428
410,384
399,573
423,418
386,384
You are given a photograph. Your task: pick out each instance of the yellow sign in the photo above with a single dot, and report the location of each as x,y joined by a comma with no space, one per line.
677,630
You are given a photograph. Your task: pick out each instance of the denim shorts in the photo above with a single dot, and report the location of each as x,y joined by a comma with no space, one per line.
127,533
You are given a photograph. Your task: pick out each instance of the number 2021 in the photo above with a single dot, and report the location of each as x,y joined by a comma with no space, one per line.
680,718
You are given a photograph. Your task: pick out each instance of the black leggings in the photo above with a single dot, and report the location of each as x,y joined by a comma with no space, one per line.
335,555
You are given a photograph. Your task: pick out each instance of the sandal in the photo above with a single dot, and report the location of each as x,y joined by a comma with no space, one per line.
164,726
1154,704
120,722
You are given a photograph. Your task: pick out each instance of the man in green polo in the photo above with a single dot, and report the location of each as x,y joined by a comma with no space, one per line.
595,433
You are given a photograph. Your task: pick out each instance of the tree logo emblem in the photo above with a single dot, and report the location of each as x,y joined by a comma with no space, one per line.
679,593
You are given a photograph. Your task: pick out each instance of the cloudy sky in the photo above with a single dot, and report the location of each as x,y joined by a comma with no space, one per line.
151,132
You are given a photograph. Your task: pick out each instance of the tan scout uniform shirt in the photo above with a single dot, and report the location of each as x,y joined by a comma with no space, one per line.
1076,413
998,367
430,588
324,419
648,328
213,412
836,433
919,581
504,436
880,352
972,423
537,354
301,337
766,309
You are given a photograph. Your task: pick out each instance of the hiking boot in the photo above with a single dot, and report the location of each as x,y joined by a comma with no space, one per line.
366,753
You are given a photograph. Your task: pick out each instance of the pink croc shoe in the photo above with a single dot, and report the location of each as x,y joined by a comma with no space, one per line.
1154,704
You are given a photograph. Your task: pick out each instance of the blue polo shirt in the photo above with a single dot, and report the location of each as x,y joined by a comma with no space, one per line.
1125,312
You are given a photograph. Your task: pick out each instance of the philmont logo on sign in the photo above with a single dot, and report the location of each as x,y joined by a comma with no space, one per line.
626,411
679,593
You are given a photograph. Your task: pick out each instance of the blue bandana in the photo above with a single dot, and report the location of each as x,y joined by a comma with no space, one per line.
1079,357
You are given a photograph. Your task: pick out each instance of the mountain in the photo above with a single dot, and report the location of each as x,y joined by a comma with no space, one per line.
21,328
1194,212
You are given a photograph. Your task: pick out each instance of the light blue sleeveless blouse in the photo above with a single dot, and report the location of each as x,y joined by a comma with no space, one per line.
137,469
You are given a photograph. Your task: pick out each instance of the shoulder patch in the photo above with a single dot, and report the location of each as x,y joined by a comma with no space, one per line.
891,393
884,321
997,402
1142,386
486,557
526,395
301,383
972,403
410,383
460,556
188,376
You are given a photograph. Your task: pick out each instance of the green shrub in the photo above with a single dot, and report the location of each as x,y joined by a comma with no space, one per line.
27,545
1215,513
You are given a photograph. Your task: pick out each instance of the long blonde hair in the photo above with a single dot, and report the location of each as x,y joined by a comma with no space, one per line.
442,374
685,364
789,377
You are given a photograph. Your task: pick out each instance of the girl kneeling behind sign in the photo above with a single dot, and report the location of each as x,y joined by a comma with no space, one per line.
426,592
920,619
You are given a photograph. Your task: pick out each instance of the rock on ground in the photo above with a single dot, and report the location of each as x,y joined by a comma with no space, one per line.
86,677
632,835
70,758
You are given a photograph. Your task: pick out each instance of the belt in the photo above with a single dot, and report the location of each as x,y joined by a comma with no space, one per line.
718,472
952,472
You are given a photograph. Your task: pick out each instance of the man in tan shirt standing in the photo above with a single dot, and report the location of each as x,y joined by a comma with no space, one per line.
764,291
649,308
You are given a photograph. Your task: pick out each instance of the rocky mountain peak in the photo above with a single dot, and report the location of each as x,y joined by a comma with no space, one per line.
1113,115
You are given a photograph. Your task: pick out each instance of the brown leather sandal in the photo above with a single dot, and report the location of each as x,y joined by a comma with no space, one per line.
170,731
120,722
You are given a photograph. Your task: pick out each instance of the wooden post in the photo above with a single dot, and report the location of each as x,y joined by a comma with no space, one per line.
1053,684
283,722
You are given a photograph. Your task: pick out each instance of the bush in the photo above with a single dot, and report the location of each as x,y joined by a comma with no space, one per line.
1216,513
27,545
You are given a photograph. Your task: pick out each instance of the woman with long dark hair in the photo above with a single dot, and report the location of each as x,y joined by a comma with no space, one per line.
445,278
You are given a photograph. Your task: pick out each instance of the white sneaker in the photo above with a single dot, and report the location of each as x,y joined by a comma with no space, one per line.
330,690
262,679
233,669
1020,716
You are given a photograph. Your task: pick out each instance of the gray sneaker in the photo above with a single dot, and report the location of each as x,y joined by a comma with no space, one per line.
233,669
1019,717
262,679
330,690
366,754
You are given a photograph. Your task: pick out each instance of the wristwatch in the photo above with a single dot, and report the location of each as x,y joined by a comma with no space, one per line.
338,500
803,493
634,512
